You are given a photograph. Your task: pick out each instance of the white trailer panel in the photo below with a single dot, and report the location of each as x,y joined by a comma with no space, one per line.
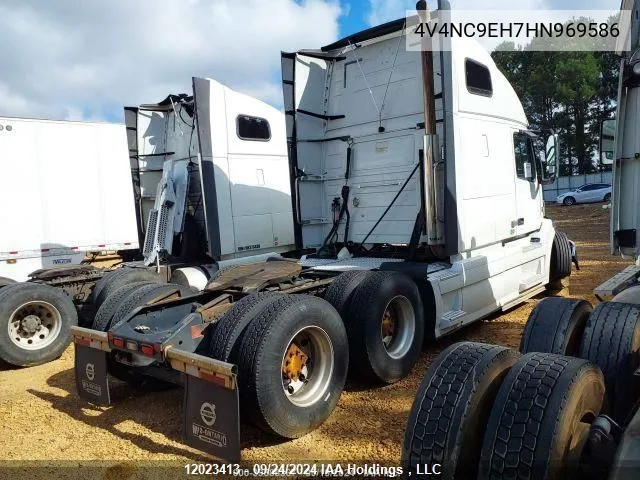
66,190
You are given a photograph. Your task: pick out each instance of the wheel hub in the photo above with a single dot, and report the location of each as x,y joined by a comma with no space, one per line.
307,366
295,360
388,328
30,324
34,325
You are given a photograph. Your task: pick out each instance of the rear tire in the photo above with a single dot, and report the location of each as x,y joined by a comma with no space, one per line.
116,278
280,405
102,320
560,262
4,281
385,325
541,418
607,197
340,292
225,344
612,341
142,296
556,326
35,323
452,407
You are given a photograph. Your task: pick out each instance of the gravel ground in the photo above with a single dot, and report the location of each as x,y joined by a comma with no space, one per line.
42,418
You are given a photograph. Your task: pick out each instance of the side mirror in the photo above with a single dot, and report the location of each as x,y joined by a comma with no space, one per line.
607,141
549,160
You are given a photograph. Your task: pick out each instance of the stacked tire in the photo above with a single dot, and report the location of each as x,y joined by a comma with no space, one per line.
484,411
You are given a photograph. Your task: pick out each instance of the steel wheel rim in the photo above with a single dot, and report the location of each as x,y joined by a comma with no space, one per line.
34,325
316,344
400,312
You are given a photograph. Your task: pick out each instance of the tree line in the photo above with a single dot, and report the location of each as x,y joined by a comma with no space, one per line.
570,92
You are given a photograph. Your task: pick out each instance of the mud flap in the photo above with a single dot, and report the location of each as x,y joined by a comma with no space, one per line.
212,418
92,379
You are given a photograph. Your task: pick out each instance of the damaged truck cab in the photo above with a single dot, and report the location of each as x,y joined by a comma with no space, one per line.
406,226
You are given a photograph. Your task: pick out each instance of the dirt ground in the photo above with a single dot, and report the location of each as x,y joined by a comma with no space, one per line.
42,417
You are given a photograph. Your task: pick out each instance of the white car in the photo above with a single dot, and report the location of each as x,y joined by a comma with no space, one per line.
591,192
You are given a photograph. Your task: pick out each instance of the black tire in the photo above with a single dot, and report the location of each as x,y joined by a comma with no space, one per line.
340,292
452,407
628,295
102,320
261,358
540,418
556,326
607,197
4,281
143,295
568,201
611,340
116,278
54,306
369,356
225,344
560,262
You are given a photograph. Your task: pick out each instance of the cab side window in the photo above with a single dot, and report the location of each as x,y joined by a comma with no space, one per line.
253,128
522,152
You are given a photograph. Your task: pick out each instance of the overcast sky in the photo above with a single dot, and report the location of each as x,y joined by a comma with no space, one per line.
85,59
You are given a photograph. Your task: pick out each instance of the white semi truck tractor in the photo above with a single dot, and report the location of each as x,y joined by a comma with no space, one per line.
195,214
567,404
417,209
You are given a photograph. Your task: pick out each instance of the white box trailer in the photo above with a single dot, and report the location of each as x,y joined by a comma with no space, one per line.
66,191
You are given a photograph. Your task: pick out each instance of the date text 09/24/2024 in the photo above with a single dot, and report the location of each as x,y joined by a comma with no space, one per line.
310,469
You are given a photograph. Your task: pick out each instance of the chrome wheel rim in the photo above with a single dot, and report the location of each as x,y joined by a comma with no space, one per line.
34,325
398,327
307,366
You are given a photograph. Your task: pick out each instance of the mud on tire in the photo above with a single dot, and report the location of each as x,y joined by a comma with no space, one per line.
541,418
266,347
35,323
452,406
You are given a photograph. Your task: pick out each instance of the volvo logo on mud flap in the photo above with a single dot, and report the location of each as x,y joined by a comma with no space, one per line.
90,371
208,426
208,414
92,378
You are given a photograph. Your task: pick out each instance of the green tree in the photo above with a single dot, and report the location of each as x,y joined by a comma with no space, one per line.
571,92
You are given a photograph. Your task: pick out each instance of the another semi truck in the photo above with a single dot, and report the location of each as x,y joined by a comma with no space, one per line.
567,404
416,195
148,181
